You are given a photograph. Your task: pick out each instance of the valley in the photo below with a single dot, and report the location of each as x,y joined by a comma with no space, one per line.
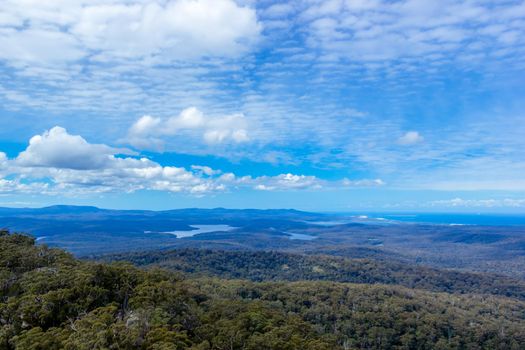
91,232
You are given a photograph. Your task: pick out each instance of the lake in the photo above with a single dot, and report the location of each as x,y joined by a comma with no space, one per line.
199,229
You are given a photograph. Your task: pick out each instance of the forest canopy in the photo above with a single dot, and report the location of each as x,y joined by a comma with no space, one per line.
50,300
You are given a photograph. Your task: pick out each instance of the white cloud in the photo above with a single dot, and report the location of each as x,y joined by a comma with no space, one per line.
15,186
3,160
363,183
58,163
285,182
410,138
206,170
56,148
278,10
44,33
480,203
38,46
382,30
180,29
3,164
148,131
144,125
189,118
289,181
290,93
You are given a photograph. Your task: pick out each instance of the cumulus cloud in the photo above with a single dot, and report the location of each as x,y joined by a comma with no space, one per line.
144,125
57,148
149,132
57,162
410,138
181,28
38,32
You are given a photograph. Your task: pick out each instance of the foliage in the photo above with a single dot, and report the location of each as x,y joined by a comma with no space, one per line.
49,300
260,266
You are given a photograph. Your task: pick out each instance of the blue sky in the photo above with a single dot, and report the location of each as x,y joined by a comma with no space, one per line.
347,105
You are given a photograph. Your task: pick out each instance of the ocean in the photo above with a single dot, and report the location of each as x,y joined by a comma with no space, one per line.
449,218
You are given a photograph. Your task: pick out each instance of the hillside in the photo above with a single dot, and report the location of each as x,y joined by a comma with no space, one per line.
90,232
260,266
50,300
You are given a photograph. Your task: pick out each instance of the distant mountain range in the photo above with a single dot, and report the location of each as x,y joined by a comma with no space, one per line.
90,231
181,213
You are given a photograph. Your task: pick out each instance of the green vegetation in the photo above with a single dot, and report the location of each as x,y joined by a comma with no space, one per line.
50,300
260,266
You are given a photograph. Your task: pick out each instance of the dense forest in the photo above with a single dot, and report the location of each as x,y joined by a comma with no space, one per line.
261,266
50,300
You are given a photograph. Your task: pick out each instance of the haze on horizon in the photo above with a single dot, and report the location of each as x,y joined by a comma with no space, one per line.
338,105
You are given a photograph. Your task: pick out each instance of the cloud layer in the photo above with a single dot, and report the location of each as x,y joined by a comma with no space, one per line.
425,95
36,32
380,30
57,162
480,203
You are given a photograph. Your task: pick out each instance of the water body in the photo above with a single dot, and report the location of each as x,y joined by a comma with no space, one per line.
300,236
198,229
355,219
454,219
329,223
